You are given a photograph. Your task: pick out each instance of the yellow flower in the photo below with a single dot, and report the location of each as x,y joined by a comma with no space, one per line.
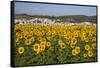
21,50
42,43
62,45
86,39
60,41
42,39
77,49
94,39
36,47
38,33
20,36
48,33
74,52
94,45
73,41
67,37
90,49
48,44
83,38
25,36
43,46
32,39
72,45
84,55
17,40
76,33
28,42
87,47
90,53
72,36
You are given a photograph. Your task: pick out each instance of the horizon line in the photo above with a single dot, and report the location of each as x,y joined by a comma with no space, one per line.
54,15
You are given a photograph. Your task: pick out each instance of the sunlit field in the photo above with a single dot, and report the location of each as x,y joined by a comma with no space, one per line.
37,45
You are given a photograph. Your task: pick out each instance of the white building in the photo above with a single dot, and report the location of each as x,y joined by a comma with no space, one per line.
47,21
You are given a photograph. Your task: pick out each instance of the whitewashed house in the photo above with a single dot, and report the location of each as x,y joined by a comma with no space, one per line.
47,21
20,21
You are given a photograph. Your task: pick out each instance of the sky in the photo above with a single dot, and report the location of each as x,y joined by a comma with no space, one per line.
52,9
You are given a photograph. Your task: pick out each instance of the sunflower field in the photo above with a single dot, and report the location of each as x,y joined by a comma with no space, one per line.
39,45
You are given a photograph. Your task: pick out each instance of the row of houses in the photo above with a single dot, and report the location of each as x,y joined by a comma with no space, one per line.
35,20
46,21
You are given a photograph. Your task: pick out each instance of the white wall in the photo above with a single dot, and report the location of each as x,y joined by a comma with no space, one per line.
5,34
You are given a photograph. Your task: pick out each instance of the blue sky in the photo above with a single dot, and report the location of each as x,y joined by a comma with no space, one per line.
52,9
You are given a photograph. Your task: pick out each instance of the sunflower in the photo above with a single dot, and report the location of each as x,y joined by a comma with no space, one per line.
90,53
94,39
43,46
42,39
72,45
76,33
32,39
48,33
62,45
83,38
36,47
60,42
17,40
53,32
28,42
25,36
67,37
93,46
73,41
83,34
21,50
74,52
20,36
72,36
42,43
64,32
68,42
39,33
86,39
77,49
87,47
84,55
48,44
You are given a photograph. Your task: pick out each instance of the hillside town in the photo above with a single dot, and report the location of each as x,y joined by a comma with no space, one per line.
47,21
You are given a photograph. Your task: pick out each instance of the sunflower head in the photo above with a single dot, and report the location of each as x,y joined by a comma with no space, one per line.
72,45
90,53
43,46
77,49
42,39
62,45
74,52
60,42
28,42
87,47
94,46
32,39
48,44
36,47
84,55
17,40
21,50
73,41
